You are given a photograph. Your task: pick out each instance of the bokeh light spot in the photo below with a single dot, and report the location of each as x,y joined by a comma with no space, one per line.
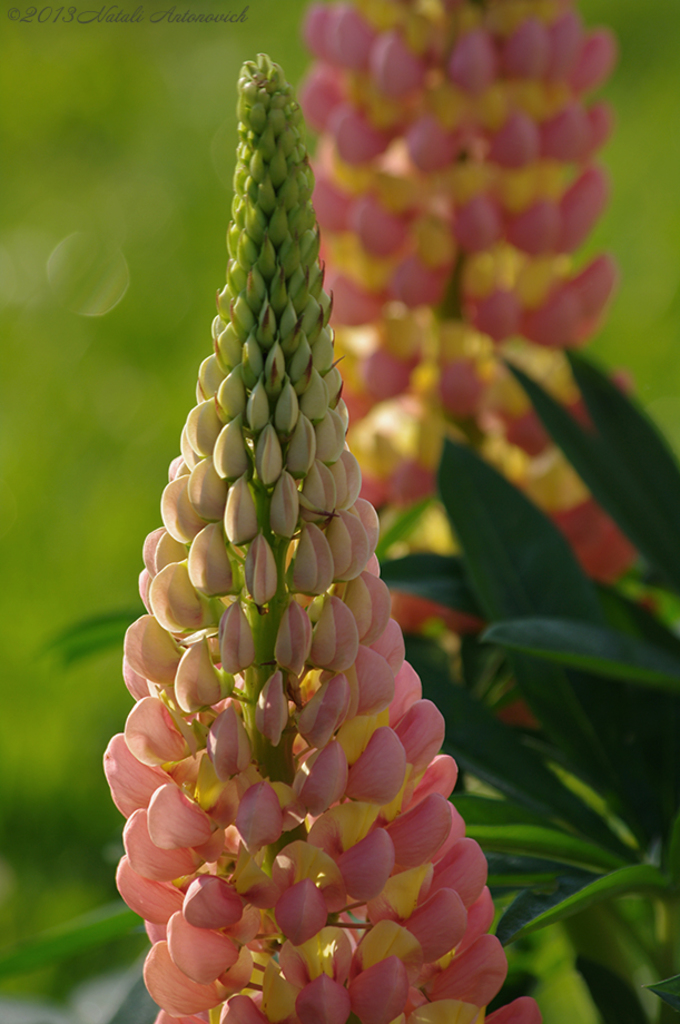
87,275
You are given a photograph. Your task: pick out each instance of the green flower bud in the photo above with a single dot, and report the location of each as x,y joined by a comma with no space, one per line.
314,400
311,316
266,331
232,394
228,348
322,351
301,366
286,411
288,326
301,449
247,253
274,370
257,410
253,363
266,196
298,289
289,255
278,226
266,260
268,456
256,290
333,381
278,294
237,278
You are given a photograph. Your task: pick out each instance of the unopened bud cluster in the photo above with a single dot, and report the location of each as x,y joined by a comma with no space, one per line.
289,839
455,172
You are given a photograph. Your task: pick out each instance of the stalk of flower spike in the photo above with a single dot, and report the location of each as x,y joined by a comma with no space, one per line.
455,170
289,839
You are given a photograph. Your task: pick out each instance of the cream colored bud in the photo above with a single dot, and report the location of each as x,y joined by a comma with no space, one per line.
271,714
347,476
198,684
314,400
257,410
242,317
302,448
240,516
318,495
268,456
311,316
284,510
313,567
191,458
229,347
177,512
210,376
207,491
330,437
230,454
231,394
369,518
287,329
210,568
287,410
260,570
237,648
175,602
349,545
293,639
322,351
203,427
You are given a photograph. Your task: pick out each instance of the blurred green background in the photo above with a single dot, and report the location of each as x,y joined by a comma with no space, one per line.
117,143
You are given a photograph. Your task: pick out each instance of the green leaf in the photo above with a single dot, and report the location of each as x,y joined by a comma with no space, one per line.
518,562
575,891
495,753
674,849
536,841
520,565
509,872
137,1007
401,527
92,636
625,463
484,810
582,645
617,1002
93,929
439,578
668,990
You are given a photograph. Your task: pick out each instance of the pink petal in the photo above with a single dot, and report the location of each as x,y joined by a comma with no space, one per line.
314,29
414,284
520,1011
368,598
390,644
566,37
396,70
325,712
175,821
326,781
460,387
438,924
380,232
152,735
357,140
332,205
421,731
556,323
384,375
154,901
498,314
242,1010
367,865
479,918
464,869
259,819
566,136
478,224
335,639
378,775
407,690
149,860
378,994
581,205
301,912
203,955
132,783
595,284
151,651
535,231
172,989
517,143
320,93
474,976
228,744
418,833
352,305
473,62
376,682
440,777
323,1001
595,62
527,50
349,37
210,902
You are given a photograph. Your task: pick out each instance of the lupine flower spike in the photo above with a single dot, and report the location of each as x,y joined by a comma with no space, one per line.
289,839
456,170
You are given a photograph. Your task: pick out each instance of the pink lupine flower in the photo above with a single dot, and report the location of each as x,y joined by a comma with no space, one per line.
290,843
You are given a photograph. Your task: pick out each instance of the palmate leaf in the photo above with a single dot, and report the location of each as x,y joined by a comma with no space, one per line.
625,463
496,754
86,932
596,648
520,565
617,1002
574,891
439,578
668,990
